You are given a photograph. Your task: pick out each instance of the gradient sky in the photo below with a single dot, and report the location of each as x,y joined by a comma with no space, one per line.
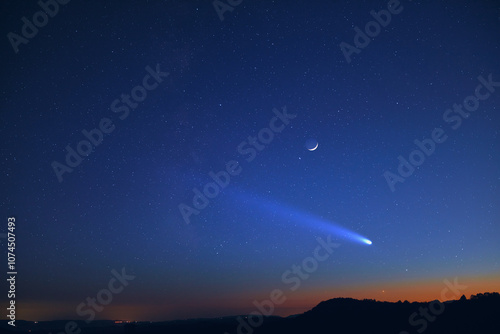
119,208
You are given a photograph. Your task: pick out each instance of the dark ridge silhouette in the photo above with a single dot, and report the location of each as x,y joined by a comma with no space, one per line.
340,316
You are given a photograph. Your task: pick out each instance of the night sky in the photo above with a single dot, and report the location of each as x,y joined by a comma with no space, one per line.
168,104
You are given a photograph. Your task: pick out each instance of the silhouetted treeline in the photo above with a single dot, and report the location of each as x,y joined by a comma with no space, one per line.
479,314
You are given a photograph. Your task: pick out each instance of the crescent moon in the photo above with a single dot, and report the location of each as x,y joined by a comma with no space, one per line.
315,147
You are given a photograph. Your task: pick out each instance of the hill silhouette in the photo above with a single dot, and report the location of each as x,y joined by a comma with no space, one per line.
340,315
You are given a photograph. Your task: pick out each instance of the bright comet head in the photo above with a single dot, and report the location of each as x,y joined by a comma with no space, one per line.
366,241
290,213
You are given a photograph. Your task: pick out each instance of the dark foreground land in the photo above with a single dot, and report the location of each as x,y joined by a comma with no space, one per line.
479,314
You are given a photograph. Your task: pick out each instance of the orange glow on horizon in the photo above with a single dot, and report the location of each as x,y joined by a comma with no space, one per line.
296,302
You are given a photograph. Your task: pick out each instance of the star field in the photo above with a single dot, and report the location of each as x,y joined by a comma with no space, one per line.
207,90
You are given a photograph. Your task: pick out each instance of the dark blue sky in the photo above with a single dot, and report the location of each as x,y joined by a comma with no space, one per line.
227,80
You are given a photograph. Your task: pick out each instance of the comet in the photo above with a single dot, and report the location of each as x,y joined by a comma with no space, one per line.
367,241
301,217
